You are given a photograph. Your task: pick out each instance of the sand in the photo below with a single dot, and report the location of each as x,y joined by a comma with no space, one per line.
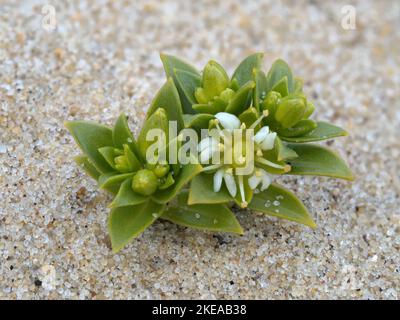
102,59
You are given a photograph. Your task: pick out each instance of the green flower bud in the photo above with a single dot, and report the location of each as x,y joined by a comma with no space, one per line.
309,110
227,95
271,101
145,182
234,85
200,96
125,161
299,129
122,164
215,80
290,110
161,170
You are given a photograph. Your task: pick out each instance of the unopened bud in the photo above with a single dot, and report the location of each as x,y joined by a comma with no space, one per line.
289,111
161,170
271,101
145,182
301,128
227,95
309,110
122,164
201,96
215,79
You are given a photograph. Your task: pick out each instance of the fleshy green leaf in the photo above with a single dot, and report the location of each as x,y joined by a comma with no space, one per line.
209,108
279,70
185,175
173,147
200,120
283,152
90,137
244,72
126,223
189,82
168,99
261,87
168,182
126,196
133,161
323,131
172,63
280,202
318,161
240,101
158,120
282,86
87,166
298,85
109,154
213,217
123,135
202,191
113,179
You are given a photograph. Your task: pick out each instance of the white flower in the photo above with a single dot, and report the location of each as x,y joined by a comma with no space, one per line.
265,139
236,183
207,148
228,121
218,179
230,183
260,176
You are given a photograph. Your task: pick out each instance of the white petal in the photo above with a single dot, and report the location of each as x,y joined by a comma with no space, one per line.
269,141
266,181
206,154
230,184
218,179
241,188
254,182
205,143
208,142
228,121
261,135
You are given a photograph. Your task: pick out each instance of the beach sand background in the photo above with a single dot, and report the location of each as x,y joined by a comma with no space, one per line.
103,59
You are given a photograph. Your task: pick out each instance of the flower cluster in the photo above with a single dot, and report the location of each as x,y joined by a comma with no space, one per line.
235,179
253,126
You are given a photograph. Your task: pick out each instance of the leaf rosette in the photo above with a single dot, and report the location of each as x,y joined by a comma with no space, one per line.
271,107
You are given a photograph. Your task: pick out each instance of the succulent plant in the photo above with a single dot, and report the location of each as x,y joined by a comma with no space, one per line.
278,111
143,191
259,121
205,94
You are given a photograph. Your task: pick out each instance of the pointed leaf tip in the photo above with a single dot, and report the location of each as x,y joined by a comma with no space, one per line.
280,202
91,136
323,131
126,223
319,161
